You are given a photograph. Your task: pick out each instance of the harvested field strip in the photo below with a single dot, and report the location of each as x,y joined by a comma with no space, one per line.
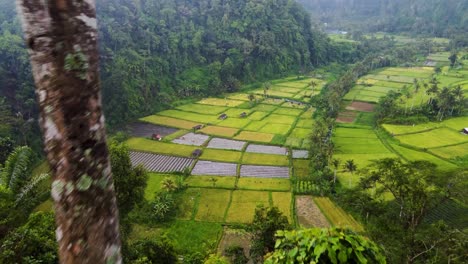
286,89
211,182
266,149
264,184
221,155
169,121
160,163
220,143
175,135
202,109
191,139
142,129
282,200
212,205
360,106
400,79
414,155
190,116
300,154
434,138
221,102
278,129
336,215
214,168
456,123
452,151
243,205
236,112
255,136
389,84
308,213
147,145
265,159
241,96
219,131
264,171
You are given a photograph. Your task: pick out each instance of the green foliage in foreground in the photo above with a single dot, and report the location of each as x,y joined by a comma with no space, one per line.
323,246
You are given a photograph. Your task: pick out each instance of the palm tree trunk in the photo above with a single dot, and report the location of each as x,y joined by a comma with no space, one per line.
61,36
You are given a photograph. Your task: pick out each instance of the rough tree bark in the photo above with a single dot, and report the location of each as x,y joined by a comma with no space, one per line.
61,36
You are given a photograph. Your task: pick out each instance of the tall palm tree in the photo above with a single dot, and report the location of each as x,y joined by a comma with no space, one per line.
313,84
169,185
351,167
336,164
459,97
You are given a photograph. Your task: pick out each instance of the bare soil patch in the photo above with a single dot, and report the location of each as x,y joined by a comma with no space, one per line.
235,237
141,129
204,167
160,163
308,213
361,106
264,171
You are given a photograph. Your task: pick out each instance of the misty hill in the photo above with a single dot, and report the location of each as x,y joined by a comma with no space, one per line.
443,18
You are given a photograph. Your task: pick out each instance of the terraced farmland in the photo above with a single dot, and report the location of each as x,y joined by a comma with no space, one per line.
160,163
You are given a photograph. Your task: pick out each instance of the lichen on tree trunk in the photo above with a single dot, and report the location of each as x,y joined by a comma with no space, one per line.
61,36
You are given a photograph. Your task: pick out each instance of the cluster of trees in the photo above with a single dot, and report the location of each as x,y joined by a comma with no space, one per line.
435,17
443,103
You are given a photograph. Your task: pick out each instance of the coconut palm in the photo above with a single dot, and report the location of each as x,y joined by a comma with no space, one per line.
251,98
169,185
351,167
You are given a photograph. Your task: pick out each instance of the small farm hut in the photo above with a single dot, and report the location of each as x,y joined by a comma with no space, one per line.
223,116
465,131
243,114
197,127
157,137
197,153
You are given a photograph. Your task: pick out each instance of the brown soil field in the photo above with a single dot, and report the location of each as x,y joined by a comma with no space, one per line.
308,213
361,106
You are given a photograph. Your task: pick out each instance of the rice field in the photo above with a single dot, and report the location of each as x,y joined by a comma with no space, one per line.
282,200
219,131
243,205
265,159
433,138
169,121
414,155
254,136
451,152
221,155
264,184
212,205
224,182
337,216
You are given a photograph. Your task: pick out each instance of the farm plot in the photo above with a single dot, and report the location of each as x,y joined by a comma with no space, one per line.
221,155
243,205
288,111
214,168
160,163
169,121
400,79
191,139
282,200
265,107
202,109
452,151
154,184
272,101
264,171
360,146
140,129
279,129
266,149
361,106
220,143
336,215
264,159
355,133
305,123
224,182
308,213
255,136
300,154
264,184
363,160
212,205
234,122
346,117
221,102
402,129
293,142
434,138
241,96
257,115
236,112
414,155
219,131
280,119
186,202
200,118
300,132
285,89
147,145
301,168
456,123
255,126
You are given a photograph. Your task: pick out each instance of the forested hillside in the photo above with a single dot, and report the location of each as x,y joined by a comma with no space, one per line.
156,51
443,18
